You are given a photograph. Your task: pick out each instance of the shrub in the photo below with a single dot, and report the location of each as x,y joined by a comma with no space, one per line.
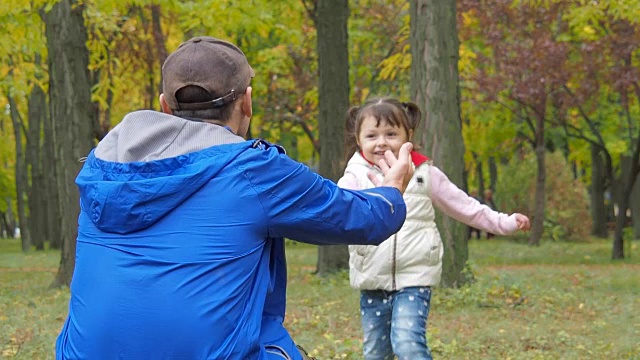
566,210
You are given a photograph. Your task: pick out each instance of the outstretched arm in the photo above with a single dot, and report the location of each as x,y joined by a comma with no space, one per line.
302,205
454,202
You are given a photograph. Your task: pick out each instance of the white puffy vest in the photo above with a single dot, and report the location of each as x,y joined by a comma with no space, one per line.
411,257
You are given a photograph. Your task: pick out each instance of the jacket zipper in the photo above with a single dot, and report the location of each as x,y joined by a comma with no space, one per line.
393,263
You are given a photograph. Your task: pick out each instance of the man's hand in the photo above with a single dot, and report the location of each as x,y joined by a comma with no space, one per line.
397,172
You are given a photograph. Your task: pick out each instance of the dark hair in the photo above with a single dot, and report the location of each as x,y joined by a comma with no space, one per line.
405,115
196,94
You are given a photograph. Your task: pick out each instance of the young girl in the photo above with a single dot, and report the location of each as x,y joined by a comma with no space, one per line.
395,278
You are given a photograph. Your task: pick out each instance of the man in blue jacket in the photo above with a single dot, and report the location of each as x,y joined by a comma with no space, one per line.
180,250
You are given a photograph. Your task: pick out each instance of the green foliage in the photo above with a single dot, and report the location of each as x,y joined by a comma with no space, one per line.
379,55
488,130
566,215
7,159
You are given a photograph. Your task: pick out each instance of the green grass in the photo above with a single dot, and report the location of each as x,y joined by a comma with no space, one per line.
556,301
31,314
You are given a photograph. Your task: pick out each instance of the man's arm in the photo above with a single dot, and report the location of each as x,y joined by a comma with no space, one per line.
303,206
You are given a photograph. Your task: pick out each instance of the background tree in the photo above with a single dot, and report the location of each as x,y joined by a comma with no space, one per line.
578,59
434,87
37,114
522,70
71,114
21,177
607,86
7,175
331,18
634,205
22,85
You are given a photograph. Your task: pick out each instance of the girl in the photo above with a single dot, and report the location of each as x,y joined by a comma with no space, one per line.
395,278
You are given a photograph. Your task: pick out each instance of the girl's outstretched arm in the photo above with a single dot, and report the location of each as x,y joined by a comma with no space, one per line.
448,198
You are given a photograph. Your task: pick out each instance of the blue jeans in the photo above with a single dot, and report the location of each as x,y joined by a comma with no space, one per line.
395,322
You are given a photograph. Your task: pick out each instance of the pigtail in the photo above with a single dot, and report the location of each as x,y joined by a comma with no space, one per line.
350,121
350,136
414,114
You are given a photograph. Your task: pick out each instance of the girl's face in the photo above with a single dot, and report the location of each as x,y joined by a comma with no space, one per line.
375,140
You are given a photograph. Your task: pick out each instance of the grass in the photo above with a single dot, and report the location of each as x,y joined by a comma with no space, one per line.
556,301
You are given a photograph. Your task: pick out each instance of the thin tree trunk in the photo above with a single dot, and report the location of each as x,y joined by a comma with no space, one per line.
629,174
10,220
4,225
159,40
480,175
537,227
51,208
635,209
22,180
72,117
493,174
333,87
149,60
598,208
435,89
37,114
617,251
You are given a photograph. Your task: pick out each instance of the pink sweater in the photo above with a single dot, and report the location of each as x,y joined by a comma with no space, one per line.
448,198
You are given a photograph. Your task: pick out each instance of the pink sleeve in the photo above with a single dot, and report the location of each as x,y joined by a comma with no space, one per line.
349,181
448,198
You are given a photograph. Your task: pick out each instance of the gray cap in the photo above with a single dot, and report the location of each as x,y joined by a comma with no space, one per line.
215,65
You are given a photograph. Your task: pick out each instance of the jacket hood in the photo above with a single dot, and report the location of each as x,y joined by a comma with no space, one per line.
123,197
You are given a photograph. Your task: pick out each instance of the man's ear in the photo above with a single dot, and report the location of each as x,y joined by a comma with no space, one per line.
247,109
165,107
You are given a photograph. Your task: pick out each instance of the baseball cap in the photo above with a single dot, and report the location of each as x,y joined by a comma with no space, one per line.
215,65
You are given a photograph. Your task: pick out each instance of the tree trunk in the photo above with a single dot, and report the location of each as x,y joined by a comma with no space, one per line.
598,208
635,209
493,174
9,220
22,180
51,208
617,251
158,40
480,175
4,225
629,173
72,117
150,60
435,89
537,227
333,88
37,115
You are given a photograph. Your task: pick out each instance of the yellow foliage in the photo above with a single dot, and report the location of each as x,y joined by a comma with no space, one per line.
469,19
589,30
466,65
394,64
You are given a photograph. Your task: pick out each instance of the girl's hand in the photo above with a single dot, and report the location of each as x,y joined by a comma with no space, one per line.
523,222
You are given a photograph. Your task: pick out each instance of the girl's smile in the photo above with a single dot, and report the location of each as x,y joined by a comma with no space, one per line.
376,137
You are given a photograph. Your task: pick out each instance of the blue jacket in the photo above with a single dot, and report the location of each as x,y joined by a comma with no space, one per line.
183,257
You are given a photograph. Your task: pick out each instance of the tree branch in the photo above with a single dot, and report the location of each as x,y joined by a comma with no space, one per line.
305,127
311,10
527,118
530,140
586,117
